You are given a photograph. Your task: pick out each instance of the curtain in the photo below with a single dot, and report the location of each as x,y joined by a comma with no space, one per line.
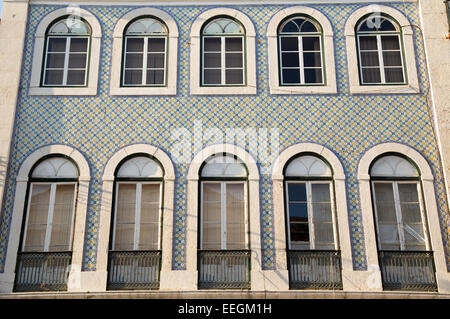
235,216
62,218
387,219
211,216
149,223
322,217
125,217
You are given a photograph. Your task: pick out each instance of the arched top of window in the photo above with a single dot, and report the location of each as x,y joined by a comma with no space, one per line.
146,26
55,167
140,167
71,25
223,26
377,23
224,166
299,24
308,166
393,166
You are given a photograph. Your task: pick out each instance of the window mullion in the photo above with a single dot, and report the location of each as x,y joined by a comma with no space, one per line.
137,215
310,216
223,215
300,57
144,61
48,232
380,57
398,213
222,55
66,60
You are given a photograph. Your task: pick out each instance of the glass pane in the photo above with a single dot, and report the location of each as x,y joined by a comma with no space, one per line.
368,43
77,60
291,76
290,60
370,59
312,60
297,192
234,77
211,216
320,192
323,232
55,60
37,217
133,60
311,44
313,76
392,59
57,44
212,77
150,205
411,213
212,44
308,27
235,216
385,202
414,234
54,77
76,77
211,234
371,75
290,27
394,75
388,234
387,25
233,60
124,239
155,77
125,216
156,45
135,45
148,236
212,60
289,44
155,60
408,193
133,77
62,218
390,42
322,212
298,212
233,44
299,232
78,45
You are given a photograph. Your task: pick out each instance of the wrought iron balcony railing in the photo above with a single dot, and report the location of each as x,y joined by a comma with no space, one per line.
408,270
133,270
314,269
224,269
46,271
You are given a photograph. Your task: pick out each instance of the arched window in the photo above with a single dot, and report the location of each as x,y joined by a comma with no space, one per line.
300,51
145,50
380,50
223,204
397,197
51,206
137,205
223,53
67,53
310,205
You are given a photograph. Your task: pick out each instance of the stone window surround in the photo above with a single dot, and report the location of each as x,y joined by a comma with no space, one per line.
117,54
195,53
407,33
429,200
328,52
39,50
18,213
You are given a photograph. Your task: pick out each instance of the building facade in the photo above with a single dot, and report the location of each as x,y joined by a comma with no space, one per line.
257,146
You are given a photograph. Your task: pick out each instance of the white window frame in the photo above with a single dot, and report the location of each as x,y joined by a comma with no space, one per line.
308,184
137,212
409,65
399,214
51,207
39,55
223,213
170,87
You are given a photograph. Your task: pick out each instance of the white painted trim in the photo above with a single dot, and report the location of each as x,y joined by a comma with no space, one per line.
172,56
19,203
429,199
408,49
39,51
195,55
328,53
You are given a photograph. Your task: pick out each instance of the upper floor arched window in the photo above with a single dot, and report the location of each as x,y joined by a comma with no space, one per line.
300,51
145,53
67,53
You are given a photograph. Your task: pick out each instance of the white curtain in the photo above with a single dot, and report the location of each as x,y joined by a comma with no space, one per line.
62,218
212,218
37,217
235,216
125,217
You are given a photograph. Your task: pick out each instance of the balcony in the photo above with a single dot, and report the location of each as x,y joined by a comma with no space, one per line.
224,269
133,270
46,271
407,270
315,270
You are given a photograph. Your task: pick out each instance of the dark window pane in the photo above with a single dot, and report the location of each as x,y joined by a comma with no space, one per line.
290,60
135,45
78,45
156,45
394,75
370,59
299,232
298,212
55,60
77,60
290,27
212,60
312,59
311,44
155,77
233,60
133,77
54,77
233,44
291,76
212,44
234,77
390,42
371,75
392,59
57,45
212,77
368,43
133,60
75,77
387,26
297,192
308,27
155,60
313,75
289,44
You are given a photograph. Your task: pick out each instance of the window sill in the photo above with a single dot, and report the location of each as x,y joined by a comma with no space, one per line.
139,91
65,91
280,90
223,90
384,89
